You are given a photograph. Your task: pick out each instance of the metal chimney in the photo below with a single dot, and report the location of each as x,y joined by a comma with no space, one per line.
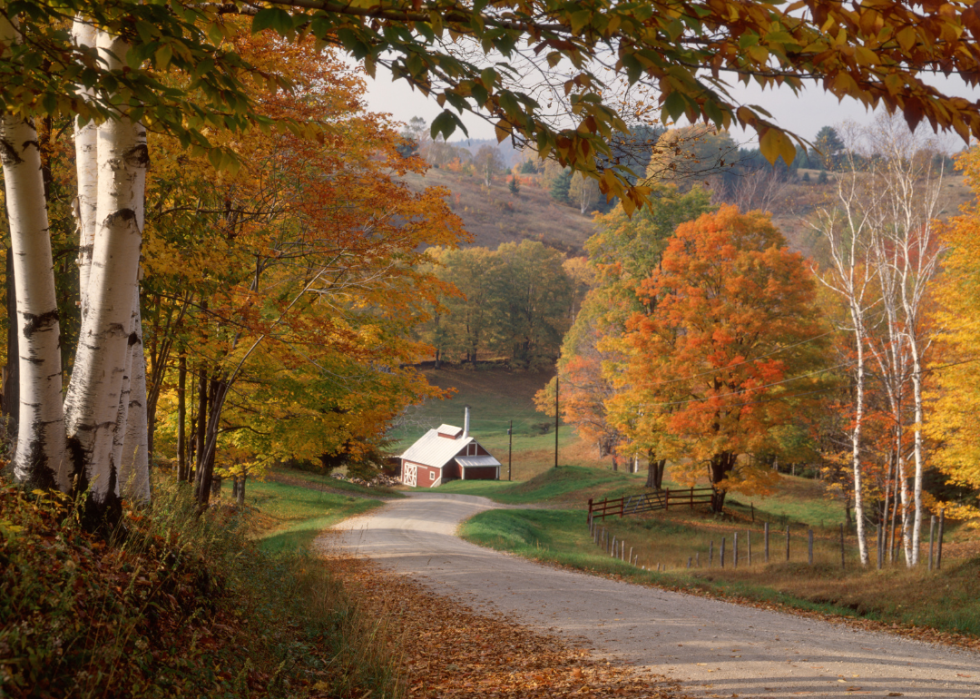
466,422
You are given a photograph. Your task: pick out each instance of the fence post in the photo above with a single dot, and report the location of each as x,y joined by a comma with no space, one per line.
735,550
939,550
748,544
711,553
810,546
612,549
766,536
590,513
787,543
721,554
842,545
697,559
932,529
692,497
667,499
688,562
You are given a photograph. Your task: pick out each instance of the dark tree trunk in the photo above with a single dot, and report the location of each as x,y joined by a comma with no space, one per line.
719,467
615,462
208,483
202,480
655,473
182,474
240,490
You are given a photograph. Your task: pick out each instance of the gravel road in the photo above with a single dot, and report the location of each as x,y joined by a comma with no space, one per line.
716,649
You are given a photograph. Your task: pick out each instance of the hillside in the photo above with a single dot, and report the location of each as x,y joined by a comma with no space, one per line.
495,215
798,200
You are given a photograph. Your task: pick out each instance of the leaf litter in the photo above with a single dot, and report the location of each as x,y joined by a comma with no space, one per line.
450,651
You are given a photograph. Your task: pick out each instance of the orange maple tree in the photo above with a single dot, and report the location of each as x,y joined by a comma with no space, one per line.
731,352
300,276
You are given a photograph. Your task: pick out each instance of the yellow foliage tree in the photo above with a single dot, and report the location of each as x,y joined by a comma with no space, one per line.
954,425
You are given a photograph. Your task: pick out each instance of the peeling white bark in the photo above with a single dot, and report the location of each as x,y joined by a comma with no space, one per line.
94,394
86,167
129,451
40,454
134,462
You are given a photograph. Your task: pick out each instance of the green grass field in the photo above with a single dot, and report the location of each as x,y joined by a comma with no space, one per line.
315,480
568,485
495,398
289,517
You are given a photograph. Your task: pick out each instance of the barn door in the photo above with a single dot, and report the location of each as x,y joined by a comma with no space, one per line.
410,474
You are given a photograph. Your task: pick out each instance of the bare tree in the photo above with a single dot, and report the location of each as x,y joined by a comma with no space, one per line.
846,226
488,163
759,190
905,201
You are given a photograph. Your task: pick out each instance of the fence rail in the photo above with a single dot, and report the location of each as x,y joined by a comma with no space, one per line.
649,502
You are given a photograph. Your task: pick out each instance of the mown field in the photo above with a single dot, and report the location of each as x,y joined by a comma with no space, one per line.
495,398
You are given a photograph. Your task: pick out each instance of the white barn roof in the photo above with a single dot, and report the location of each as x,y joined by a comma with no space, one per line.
472,461
433,450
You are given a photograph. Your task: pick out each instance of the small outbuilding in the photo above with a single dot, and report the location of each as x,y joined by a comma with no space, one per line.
445,454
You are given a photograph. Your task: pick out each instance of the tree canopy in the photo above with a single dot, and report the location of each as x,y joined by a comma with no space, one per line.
686,55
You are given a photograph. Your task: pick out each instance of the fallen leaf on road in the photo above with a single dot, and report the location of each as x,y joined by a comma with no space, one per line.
451,652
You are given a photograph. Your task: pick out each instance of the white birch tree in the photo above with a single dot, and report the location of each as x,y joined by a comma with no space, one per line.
846,228
40,455
907,255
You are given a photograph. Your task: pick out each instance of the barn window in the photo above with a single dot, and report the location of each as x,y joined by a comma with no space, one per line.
432,475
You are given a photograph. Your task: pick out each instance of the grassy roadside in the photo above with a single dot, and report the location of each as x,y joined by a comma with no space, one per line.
291,476
568,486
944,601
178,605
287,518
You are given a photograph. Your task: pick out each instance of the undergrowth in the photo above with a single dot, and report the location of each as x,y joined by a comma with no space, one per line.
172,605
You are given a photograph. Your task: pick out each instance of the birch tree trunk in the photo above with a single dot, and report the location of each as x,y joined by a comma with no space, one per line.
851,240
87,171
856,314
134,466
94,394
40,454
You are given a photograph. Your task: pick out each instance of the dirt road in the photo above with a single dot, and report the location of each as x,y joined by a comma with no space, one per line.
716,649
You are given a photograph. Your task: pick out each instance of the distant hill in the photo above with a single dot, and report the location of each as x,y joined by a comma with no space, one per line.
494,215
511,156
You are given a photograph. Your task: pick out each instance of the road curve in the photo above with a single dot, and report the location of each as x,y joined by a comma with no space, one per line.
715,648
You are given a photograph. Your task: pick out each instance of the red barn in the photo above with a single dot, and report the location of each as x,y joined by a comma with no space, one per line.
445,454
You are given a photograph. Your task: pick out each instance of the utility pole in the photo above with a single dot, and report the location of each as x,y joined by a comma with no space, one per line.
510,446
556,422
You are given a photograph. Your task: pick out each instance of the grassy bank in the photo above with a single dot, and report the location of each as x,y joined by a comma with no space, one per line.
286,518
568,485
944,600
174,605
291,476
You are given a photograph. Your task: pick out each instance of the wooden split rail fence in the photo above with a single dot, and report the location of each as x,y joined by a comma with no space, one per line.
649,502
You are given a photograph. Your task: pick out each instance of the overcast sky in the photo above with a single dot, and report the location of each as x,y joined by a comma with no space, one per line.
804,115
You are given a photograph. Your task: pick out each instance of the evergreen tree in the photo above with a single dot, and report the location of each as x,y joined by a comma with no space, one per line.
560,186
